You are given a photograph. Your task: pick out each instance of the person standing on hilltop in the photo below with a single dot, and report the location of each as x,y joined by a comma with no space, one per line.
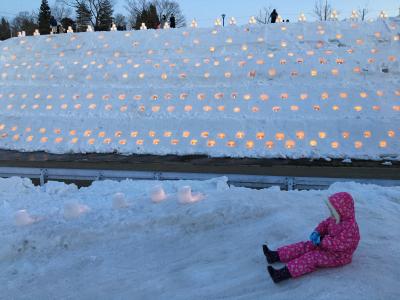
172,21
273,16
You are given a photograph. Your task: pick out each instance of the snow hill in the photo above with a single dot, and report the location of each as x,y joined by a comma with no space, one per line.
284,90
110,241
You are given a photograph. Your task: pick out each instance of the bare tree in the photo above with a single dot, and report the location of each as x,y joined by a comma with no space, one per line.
168,8
322,9
164,7
264,15
60,11
24,21
120,22
95,8
135,8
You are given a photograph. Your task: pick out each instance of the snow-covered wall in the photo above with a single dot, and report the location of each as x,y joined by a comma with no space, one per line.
283,90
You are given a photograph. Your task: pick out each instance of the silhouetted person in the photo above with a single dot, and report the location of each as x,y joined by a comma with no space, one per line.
172,21
273,16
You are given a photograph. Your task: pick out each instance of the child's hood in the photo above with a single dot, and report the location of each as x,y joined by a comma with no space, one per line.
343,203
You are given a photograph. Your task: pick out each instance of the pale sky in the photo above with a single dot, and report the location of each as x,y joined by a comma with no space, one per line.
206,11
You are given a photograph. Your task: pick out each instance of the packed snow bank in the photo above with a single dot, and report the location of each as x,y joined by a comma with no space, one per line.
284,90
210,249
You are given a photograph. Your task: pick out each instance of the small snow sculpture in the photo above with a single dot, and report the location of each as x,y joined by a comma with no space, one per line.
143,27
23,218
36,33
302,18
252,20
119,201
193,24
157,194
89,28
186,196
75,210
383,15
166,25
232,21
218,22
70,30
113,27
354,15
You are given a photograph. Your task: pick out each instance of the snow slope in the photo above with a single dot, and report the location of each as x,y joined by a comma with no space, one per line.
210,249
284,90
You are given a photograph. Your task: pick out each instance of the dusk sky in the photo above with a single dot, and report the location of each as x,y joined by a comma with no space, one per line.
206,11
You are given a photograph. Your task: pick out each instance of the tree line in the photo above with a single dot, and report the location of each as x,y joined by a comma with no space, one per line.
99,14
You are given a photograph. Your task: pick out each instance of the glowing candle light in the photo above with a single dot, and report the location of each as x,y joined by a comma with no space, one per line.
36,33
290,144
113,27
70,30
167,26
89,28
143,26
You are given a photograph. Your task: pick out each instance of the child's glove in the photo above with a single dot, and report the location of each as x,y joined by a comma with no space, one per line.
315,238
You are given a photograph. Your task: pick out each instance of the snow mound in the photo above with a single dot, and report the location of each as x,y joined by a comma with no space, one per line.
283,90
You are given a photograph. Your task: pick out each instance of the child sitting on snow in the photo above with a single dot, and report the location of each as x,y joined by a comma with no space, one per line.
332,243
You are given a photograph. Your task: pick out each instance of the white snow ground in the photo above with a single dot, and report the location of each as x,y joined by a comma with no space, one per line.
210,249
294,90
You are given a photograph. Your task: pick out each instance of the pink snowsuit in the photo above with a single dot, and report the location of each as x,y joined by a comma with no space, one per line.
338,241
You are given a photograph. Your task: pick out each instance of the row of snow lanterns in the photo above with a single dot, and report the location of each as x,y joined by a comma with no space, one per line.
75,210
289,144
302,18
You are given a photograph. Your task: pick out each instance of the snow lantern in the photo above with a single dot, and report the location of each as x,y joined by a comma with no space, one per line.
166,25
252,20
89,28
70,30
383,15
119,201
36,33
354,15
334,15
143,27
23,218
75,210
113,27
302,18
185,195
232,21
157,194
193,24
279,19
218,22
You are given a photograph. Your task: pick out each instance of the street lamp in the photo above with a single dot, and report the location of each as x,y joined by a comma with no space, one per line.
223,19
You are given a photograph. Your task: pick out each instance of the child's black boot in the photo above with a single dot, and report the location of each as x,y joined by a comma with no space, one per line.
272,256
279,275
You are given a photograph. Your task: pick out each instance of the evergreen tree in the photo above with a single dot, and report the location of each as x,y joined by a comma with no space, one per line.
153,20
105,16
4,29
148,16
44,17
83,17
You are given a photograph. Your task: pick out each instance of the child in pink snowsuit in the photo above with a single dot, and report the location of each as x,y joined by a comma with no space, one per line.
332,244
